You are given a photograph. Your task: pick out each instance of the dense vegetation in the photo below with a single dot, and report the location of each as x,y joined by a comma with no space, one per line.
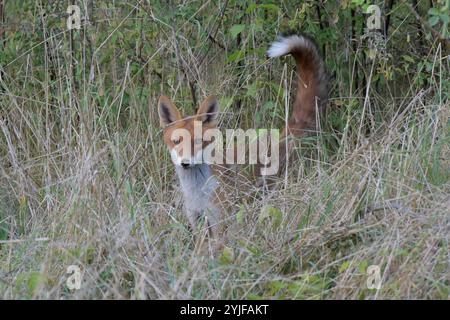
85,179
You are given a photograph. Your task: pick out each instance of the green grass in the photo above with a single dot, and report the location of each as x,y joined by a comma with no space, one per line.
86,180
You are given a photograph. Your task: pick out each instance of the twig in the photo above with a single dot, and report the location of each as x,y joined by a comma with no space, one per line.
213,36
190,81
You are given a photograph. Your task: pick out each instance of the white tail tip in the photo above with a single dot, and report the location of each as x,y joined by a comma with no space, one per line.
284,45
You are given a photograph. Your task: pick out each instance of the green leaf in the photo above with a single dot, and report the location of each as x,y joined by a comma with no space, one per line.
433,12
236,29
358,2
267,6
240,215
362,267
276,286
236,56
344,266
408,58
254,296
250,8
445,18
269,106
227,255
275,214
433,20
34,281
252,90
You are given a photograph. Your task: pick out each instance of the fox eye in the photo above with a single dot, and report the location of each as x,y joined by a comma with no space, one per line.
176,141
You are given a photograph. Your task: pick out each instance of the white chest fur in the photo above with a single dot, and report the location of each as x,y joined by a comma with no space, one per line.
198,185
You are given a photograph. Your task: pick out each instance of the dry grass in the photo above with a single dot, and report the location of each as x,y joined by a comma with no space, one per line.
92,185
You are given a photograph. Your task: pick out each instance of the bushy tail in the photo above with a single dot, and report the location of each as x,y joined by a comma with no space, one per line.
312,83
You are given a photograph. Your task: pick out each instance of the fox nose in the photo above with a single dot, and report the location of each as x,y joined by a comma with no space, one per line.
185,163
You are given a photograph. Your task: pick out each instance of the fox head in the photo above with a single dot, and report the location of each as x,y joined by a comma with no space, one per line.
184,136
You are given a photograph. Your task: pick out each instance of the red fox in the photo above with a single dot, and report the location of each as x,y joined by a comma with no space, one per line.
203,194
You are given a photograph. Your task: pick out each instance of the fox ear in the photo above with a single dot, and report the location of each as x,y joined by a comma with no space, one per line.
167,111
208,111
